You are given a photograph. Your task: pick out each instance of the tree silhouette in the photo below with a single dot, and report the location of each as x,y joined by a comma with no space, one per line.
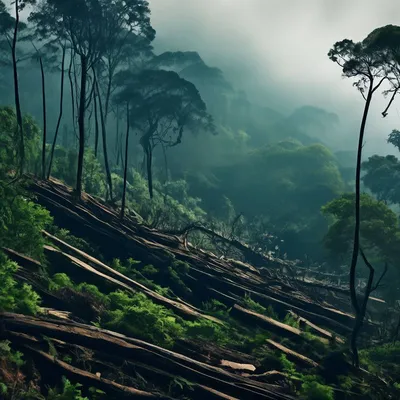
370,63
163,105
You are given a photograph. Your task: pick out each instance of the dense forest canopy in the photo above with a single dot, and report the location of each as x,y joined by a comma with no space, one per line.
145,192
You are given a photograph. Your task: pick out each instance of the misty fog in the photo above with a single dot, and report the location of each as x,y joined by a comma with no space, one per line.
276,50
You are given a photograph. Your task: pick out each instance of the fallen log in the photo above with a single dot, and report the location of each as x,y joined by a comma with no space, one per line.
89,379
270,324
316,329
129,348
269,376
293,355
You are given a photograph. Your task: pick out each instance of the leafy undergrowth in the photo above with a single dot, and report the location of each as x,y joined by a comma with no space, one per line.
383,360
14,296
137,315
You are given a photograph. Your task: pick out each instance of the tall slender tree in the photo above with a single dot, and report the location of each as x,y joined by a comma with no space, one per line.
39,56
128,128
369,63
61,108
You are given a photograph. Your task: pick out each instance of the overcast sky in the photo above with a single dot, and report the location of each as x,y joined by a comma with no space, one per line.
277,49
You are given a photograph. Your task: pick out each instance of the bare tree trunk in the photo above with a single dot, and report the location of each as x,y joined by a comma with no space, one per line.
71,84
60,112
126,161
44,119
165,163
356,244
81,124
108,95
361,314
104,137
117,140
16,90
96,121
120,149
150,171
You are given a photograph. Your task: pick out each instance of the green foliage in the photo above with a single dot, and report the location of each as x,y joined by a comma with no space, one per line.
11,379
128,268
3,388
290,320
149,270
79,243
179,385
288,366
311,389
207,330
9,142
381,177
139,316
21,222
60,281
216,308
171,276
93,292
382,359
10,355
15,297
379,225
68,391
65,164
345,382
253,305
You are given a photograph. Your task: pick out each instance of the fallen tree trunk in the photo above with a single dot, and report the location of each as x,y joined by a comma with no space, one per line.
87,378
299,358
270,324
129,348
129,239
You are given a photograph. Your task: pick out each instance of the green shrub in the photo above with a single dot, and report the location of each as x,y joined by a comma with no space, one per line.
138,316
149,270
288,366
15,297
60,281
313,390
77,242
216,308
291,321
21,222
383,358
15,357
253,305
207,330
69,391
